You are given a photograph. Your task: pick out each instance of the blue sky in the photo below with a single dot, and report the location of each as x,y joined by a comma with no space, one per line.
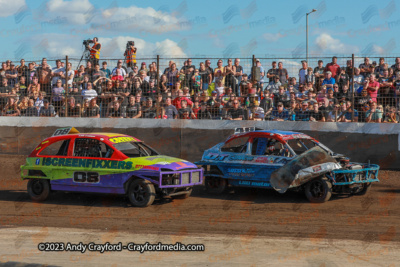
33,29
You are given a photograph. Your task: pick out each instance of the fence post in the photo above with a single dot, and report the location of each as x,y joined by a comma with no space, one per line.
352,86
66,86
158,70
253,70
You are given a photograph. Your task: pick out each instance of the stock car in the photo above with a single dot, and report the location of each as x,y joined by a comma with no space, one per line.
106,163
283,160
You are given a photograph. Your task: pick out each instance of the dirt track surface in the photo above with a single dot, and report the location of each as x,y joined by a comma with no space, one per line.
260,213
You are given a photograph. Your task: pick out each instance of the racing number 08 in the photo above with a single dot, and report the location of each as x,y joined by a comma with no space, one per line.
86,177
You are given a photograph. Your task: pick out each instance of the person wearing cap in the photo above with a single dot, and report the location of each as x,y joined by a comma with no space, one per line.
333,67
329,81
12,75
46,110
273,86
279,113
271,73
203,113
303,114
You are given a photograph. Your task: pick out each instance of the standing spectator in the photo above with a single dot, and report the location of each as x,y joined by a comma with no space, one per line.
374,114
386,94
69,74
372,87
333,67
170,110
188,70
46,110
236,113
89,93
343,79
238,75
319,74
382,66
206,76
309,78
12,75
196,81
282,73
271,73
397,62
45,73
349,68
105,70
172,75
303,72
121,71
31,72
219,72
243,85
366,68
97,73
58,73
22,69
209,69
167,69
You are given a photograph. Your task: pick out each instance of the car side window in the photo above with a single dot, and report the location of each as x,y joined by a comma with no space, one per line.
268,146
259,146
237,145
59,148
86,147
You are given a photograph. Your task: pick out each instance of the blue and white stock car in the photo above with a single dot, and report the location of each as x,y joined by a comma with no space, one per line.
284,160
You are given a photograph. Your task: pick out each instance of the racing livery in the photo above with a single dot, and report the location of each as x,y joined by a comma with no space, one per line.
106,163
283,160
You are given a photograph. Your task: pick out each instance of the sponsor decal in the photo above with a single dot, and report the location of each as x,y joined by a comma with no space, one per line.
37,161
121,139
250,183
87,163
215,156
261,160
317,168
145,167
241,158
45,142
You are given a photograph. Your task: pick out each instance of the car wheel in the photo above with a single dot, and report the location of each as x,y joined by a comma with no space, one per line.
215,185
184,196
39,189
363,189
141,193
318,190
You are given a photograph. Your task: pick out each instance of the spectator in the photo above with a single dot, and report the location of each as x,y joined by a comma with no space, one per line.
39,99
236,113
197,81
381,68
58,95
322,93
209,69
243,85
115,110
386,94
93,110
315,113
349,68
22,69
121,71
11,108
309,78
256,113
206,76
366,68
133,110
391,116
273,87
343,79
292,110
345,95
97,73
281,96
280,113
303,72
46,110
372,87
271,73
160,112
12,75
358,81
74,110
283,74
329,81
302,94
58,73
346,113
292,82
334,114
196,106
170,110
177,101
188,71
374,114
219,72
333,67
325,108
143,67
152,73
23,106
105,70
89,93
149,111
185,112
167,69
31,73
311,98
303,114
230,71
238,75
31,111
203,113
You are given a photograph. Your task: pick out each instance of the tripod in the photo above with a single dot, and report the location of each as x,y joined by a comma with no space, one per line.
86,55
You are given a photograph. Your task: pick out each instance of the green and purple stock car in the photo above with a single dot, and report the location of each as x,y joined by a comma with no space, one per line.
108,163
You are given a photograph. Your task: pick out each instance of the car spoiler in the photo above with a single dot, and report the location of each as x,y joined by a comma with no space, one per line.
66,130
246,129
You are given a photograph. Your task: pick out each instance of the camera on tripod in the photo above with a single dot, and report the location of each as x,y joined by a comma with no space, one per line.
87,42
129,44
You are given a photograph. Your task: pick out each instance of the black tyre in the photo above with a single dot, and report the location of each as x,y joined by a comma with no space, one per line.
363,189
38,189
215,185
318,190
184,196
141,193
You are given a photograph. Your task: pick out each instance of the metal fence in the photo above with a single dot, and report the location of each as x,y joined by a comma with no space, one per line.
258,96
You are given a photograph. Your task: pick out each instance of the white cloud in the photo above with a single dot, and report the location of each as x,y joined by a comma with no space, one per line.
75,11
9,8
327,43
272,37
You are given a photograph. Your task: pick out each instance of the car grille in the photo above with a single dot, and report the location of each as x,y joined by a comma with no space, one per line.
180,178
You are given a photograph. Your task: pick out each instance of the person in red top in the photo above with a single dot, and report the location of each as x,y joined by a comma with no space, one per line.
372,87
177,101
333,67
196,107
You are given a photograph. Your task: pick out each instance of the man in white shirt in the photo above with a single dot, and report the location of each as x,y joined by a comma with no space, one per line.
57,73
89,93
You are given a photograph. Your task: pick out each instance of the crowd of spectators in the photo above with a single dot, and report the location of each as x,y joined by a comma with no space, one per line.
323,93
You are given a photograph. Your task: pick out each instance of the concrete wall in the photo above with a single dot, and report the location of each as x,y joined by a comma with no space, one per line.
187,139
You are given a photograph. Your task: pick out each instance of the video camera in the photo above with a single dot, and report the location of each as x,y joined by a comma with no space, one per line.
87,42
129,44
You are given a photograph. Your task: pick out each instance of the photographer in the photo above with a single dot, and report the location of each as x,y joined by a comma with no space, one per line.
130,54
94,51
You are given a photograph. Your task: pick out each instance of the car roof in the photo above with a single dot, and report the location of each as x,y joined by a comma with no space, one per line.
96,135
283,135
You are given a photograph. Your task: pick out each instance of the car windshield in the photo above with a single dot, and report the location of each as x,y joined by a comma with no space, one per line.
135,149
301,145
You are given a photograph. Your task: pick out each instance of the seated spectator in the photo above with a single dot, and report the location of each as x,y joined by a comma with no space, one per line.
267,102
391,115
185,112
303,114
170,110
280,113
322,93
336,93
160,111
236,113
89,93
281,96
363,111
334,114
39,100
118,75
196,106
177,101
203,113
274,85
23,106
302,94
347,113
105,70
11,108
215,109
256,113
22,86
372,87
47,110
345,95
94,110
331,96
115,110
219,88
311,98
74,110
315,113
243,85
292,110
31,111
374,114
